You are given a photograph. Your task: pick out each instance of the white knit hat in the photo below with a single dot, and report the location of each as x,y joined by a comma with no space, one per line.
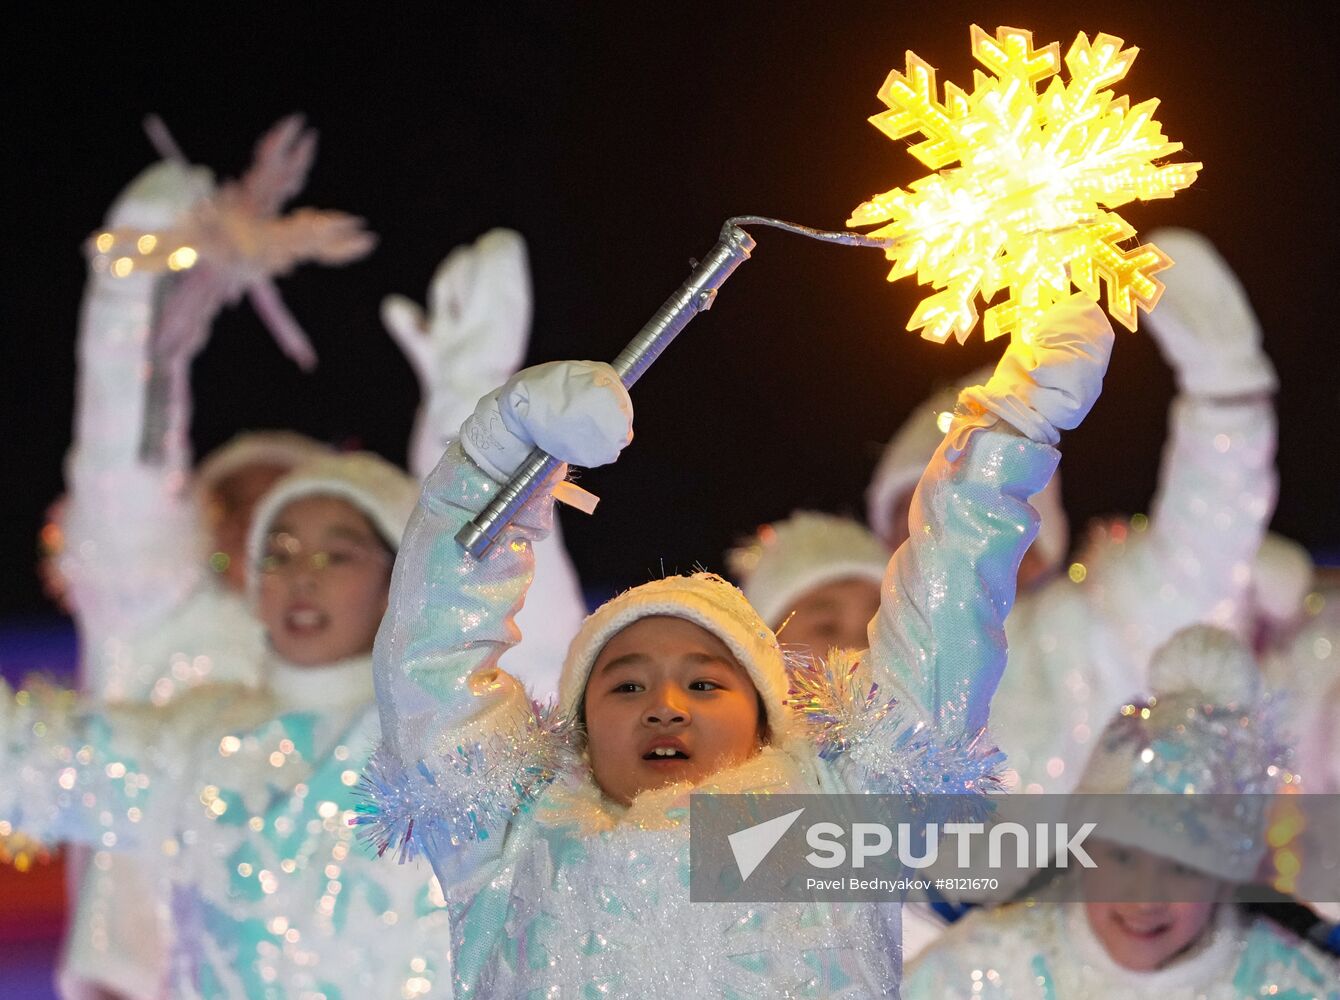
378,489
704,599
285,449
786,559
908,453
1205,736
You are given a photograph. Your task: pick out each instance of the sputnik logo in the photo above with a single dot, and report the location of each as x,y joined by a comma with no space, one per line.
754,843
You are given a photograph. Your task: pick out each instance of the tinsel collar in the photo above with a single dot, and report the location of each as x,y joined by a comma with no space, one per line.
578,803
847,735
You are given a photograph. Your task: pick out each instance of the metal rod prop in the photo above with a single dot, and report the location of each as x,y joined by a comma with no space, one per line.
694,296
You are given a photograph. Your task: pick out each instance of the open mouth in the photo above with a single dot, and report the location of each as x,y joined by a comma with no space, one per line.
1142,931
666,753
305,620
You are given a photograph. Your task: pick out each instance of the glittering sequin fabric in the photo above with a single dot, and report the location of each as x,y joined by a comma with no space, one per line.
556,891
1047,952
1079,646
245,807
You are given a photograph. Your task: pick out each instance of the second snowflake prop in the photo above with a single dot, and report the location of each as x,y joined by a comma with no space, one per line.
1029,208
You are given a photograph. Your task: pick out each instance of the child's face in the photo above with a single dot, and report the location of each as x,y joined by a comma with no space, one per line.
1147,936
324,582
667,683
832,616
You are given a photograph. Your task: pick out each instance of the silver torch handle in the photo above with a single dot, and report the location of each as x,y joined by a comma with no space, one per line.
694,296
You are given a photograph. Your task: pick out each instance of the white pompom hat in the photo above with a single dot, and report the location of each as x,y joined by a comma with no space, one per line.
285,449
1204,736
908,453
704,599
379,490
784,560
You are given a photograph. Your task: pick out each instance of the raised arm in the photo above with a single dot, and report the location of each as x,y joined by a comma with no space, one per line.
939,634
461,740
471,339
133,547
1217,480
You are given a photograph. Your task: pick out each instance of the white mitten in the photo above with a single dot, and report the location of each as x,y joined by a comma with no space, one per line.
1204,324
480,306
159,196
1050,384
577,411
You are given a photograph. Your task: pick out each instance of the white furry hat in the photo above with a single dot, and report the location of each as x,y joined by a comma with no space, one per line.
1205,736
286,449
906,457
787,558
704,599
378,489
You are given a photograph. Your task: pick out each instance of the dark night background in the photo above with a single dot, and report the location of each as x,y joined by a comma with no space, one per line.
616,138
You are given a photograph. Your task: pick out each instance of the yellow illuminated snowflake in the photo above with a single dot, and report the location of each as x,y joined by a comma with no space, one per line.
1030,206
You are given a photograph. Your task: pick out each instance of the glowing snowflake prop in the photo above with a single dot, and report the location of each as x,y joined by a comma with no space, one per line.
1030,206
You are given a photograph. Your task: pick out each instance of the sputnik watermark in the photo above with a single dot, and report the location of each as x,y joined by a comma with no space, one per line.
754,843
854,848
875,840
899,887
828,843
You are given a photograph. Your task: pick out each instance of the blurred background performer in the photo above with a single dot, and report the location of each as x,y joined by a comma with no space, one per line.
152,559
1079,642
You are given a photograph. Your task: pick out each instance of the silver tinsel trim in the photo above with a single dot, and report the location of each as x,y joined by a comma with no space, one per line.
470,794
880,745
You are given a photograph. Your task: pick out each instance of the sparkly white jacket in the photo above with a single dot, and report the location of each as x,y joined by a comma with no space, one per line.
244,798
153,619
555,891
135,550
153,622
1048,952
1078,650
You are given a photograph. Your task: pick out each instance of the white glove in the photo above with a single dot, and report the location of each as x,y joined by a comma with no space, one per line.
1204,324
577,411
158,198
1049,385
480,308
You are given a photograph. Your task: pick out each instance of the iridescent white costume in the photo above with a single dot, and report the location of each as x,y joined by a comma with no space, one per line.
1203,737
243,798
154,620
1048,952
471,341
554,889
1078,648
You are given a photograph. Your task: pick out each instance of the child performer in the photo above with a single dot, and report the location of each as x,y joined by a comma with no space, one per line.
678,685
142,528
814,578
1204,726
244,795
153,554
1078,649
